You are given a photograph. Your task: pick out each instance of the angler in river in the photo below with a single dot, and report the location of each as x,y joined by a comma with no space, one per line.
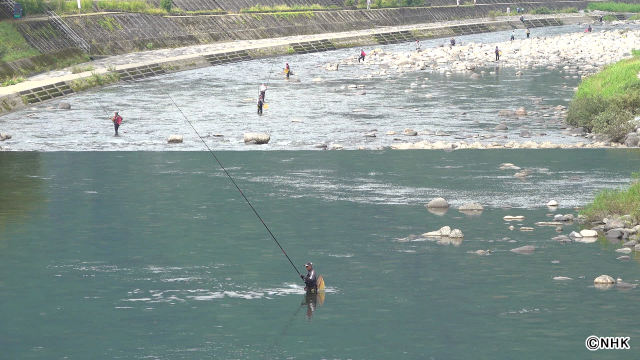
311,280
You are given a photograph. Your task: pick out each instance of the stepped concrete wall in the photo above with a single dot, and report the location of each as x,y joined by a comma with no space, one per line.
116,33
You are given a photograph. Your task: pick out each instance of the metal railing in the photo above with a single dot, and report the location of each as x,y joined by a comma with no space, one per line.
58,23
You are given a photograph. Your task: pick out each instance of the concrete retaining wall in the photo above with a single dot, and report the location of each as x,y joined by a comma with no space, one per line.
118,33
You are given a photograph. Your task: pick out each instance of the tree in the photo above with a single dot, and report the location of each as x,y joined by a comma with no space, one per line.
166,5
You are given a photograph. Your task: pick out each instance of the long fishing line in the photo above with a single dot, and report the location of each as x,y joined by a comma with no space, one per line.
226,172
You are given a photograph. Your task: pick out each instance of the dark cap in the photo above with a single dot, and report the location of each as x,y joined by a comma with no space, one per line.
309,263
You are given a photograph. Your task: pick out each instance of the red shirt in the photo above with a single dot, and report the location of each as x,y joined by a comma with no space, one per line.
118,119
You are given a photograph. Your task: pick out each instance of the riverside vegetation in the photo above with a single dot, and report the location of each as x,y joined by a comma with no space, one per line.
607,102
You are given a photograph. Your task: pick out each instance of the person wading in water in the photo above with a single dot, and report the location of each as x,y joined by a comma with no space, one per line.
287,70
311,280
263,91
362,55
497,54
260,103
117,120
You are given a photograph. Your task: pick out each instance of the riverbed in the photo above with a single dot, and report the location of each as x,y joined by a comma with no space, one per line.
220,103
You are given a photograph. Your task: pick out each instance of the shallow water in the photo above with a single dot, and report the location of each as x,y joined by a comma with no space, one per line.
221,101
134,255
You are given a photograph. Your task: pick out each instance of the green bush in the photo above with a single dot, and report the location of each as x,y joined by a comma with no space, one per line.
583,110
166,5
615,7
32,7
609,203
614,122
349,3
541,10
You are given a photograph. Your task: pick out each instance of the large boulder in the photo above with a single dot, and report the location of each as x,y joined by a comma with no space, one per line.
438,203
631,140
444,231
174,139
256,138
604,279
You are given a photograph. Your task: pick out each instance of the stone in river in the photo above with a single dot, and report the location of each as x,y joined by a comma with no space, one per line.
438,203
526,250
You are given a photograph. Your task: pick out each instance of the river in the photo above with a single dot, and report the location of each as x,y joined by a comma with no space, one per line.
134,255
221,101
155,254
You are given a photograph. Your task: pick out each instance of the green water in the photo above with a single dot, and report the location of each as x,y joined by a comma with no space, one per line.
134,255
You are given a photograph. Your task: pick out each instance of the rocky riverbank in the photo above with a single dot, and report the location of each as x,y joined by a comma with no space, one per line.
580,54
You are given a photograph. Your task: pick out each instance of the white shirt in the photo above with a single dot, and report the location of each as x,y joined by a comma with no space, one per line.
263,87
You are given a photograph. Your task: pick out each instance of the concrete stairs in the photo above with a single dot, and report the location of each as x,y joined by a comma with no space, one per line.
48,92
140,72
541,23
312,46
228,57
395,37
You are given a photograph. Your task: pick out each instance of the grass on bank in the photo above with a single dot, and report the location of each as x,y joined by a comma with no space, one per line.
380,4
607,102
12,81
285,8
615,7
609,203
94,80
13,46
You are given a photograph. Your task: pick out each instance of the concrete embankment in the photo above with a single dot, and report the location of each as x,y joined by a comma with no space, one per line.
59,84
118,33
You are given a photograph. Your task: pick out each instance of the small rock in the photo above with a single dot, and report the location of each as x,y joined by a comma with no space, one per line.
625,250
257,138
589,233
552,203
559,278
624,257
471,207
614,234
174,139
513,218
526,250
501,127
521,111
64,106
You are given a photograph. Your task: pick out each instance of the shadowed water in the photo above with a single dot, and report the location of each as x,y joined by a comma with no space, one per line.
131,255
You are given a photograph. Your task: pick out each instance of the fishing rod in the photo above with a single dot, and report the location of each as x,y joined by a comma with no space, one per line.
97,100
226,172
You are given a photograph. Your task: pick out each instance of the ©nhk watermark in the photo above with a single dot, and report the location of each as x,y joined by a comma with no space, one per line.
594,343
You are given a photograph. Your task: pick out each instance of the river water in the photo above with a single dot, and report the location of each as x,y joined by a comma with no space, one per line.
155,255
221,101
131,255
